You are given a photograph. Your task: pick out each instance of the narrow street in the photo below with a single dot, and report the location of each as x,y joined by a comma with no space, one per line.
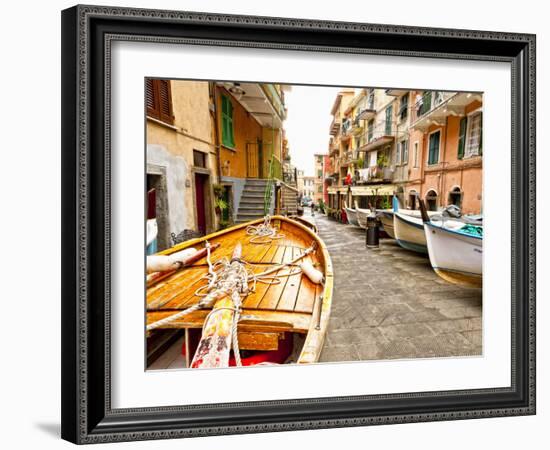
388,303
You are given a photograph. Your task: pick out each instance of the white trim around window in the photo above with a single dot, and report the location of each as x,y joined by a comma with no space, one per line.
438,130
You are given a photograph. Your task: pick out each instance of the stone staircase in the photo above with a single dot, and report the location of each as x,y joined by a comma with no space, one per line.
289,201
251,205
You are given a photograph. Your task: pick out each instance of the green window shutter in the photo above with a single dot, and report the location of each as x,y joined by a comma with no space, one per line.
227,122
433,155
230,124
462,137
389,111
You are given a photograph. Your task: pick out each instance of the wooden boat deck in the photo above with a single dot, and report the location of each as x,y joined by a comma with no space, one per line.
287,306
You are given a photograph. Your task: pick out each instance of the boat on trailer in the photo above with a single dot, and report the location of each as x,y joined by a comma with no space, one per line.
283,305
455,249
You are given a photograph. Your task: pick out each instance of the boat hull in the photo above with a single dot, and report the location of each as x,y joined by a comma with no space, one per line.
409,233
386,218
362,215
296,305
352,216
455,257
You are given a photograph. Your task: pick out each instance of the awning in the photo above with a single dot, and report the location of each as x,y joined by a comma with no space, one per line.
337,189
374,189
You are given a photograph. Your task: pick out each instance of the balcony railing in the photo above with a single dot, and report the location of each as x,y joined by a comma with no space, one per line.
427,101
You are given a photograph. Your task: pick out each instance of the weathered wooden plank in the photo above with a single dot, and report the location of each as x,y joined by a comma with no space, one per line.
251,320
173,288
264,341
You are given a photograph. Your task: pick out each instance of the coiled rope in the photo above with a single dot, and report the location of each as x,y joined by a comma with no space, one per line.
264,233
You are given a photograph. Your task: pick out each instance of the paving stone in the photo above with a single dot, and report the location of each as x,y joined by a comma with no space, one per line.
389,303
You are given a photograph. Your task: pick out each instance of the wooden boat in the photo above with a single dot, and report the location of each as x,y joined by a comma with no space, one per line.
351,215
409,232
272,315
386,218
455,249
305,221
362,215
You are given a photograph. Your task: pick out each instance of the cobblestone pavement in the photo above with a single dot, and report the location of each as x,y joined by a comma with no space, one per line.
388,303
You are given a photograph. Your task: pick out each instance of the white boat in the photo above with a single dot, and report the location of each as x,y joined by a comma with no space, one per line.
386,218
362,215
456,255
351,215
409,232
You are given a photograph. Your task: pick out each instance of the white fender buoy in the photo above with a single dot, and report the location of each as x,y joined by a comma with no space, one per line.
164,263
316,276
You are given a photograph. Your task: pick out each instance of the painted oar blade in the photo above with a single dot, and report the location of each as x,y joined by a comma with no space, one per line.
215,344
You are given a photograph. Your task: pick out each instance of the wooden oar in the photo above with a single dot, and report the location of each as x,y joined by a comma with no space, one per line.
215,344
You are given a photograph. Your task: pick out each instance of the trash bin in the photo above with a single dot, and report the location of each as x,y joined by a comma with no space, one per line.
373,227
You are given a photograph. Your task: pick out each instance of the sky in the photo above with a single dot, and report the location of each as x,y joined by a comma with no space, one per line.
307,123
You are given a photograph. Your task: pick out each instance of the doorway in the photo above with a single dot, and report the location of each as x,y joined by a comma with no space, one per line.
455,197
200,201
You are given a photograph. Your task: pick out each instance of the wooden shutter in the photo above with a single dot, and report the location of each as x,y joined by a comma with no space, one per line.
462,137
158,99
228,139
433,157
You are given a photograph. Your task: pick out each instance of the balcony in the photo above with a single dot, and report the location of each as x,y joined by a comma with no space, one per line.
367,113
346,129
262,101
349,157
433,110
334,126
375,174
379,135
396,92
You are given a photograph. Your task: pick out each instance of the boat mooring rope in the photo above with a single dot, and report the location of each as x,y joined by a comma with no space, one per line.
264,233
231,277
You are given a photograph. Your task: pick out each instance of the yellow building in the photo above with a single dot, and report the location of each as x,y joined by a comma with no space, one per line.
182,163
252,145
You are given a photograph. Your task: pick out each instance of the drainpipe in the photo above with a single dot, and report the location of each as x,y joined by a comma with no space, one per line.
216,131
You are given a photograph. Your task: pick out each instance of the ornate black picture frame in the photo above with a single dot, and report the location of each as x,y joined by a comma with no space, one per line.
87,34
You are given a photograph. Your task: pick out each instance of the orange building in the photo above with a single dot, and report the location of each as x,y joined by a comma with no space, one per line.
445,159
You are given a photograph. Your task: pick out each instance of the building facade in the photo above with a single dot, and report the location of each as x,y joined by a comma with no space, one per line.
182,164
446,136
309,187
408,143
319,177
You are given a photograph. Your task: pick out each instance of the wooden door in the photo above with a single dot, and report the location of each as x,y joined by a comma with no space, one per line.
200,182
252,160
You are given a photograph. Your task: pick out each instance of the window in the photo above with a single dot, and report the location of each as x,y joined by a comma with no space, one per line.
438,97
158,98
389,113
433,154
199,159
424,103
402,155
319,174
398,153
404,107
462,137
474,135
320,189
228,138
415,154
370,130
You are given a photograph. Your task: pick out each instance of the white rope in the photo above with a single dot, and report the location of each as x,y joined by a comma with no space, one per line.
232,278
263,233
